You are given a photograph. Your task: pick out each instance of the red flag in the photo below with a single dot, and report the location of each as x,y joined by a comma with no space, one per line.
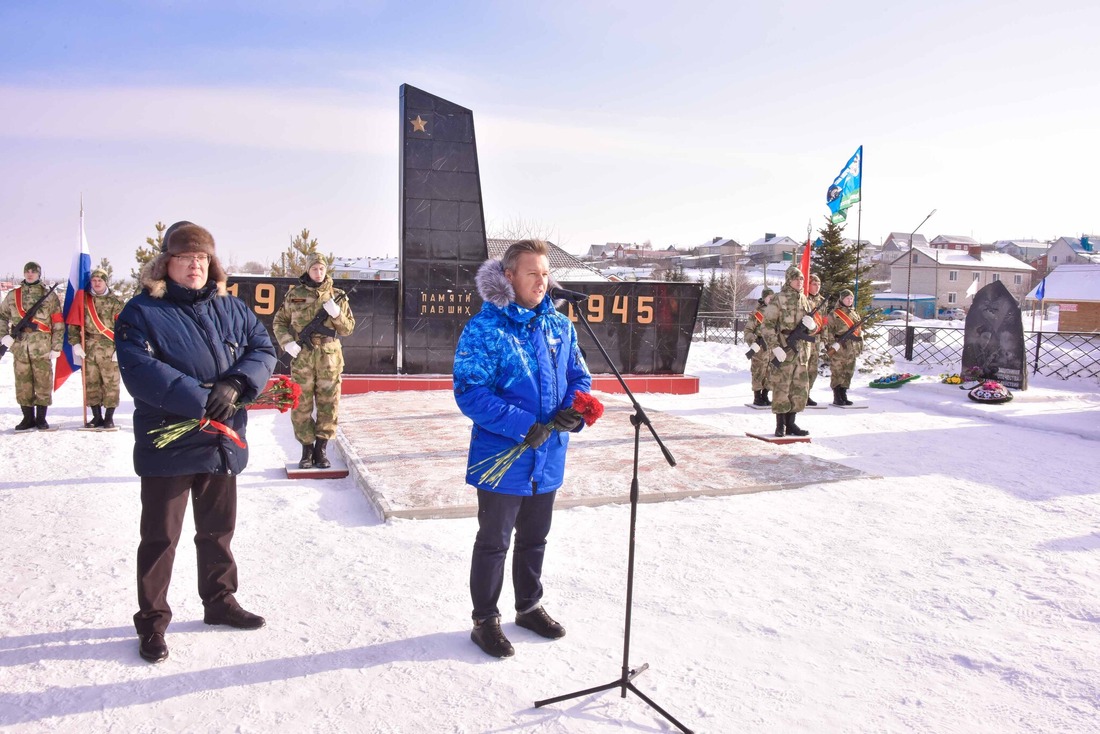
806,268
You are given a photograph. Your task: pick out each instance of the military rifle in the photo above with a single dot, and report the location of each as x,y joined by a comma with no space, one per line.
850,334
315,327
799,334
17,330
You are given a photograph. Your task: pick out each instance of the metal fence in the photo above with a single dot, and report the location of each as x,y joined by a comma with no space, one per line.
1051,353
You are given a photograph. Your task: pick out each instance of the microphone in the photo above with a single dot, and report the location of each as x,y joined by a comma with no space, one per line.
560,294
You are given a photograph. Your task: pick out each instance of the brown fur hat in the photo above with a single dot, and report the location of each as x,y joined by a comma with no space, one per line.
179,239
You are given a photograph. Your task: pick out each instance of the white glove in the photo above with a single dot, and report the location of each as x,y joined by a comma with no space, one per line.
78,351
114,356
331,307
54,356
7,341
808,322
835,346
293,349
779,353
755,347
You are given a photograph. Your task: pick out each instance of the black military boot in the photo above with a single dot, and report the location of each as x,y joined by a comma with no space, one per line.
97,417
811,402
108,418
40,418
844,395
780,425
767,400
320,459
306,461
758,397
838,396
28,418
792,427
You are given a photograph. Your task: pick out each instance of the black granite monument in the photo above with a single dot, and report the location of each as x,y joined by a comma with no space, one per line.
993,342
411,326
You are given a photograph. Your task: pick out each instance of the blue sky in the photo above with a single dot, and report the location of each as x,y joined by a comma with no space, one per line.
596,121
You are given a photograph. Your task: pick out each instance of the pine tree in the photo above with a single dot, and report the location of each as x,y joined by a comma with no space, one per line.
835,263
292,263
105,265
143,255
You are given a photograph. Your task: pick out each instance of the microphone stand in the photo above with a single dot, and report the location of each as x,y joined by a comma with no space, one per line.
627,675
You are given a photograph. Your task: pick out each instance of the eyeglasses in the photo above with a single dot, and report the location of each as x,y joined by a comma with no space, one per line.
201,257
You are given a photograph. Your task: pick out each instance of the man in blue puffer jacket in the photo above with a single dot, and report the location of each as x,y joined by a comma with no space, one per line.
186,349
517,368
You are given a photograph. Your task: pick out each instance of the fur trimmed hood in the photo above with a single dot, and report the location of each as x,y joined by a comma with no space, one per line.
493,285
154,275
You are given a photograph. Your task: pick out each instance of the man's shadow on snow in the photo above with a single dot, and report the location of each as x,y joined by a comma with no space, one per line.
120,644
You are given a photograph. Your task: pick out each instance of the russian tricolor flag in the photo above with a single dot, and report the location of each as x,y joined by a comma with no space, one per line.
80,276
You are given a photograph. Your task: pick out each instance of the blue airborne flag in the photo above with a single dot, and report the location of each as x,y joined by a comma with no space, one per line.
845,188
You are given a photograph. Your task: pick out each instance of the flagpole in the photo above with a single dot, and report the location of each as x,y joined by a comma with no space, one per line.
83,322
859,225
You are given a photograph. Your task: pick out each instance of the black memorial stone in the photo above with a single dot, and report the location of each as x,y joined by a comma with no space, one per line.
993,341
442,230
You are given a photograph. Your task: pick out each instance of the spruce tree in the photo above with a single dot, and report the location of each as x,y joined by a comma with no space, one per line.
143,255
292,262
836,264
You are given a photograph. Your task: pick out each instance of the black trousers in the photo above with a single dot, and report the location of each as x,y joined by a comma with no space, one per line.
163,504
497,515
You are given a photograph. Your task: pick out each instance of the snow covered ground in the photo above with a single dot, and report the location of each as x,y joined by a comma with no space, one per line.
957,592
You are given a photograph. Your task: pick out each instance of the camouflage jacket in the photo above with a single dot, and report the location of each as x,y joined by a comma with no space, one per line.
753,326
838,325
782,315
107,308
302,302
47,320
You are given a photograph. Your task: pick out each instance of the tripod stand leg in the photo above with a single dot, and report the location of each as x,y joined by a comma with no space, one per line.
659,710
578,694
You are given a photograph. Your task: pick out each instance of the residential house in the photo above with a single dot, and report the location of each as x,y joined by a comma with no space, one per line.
772,249
364,268
1075,288
953,242
1084,249
951,274
898,242
1026,250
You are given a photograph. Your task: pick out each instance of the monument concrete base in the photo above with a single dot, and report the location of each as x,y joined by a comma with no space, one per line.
408,456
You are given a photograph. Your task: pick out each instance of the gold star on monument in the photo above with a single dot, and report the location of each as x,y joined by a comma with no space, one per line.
418,125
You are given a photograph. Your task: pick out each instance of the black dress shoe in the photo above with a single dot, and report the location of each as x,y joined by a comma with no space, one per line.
488,635
234,617
153,648
541,623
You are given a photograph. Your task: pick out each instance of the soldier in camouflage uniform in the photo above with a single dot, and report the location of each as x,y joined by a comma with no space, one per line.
842,357
34,351
761,358
317,370
815,346
790,380
97,353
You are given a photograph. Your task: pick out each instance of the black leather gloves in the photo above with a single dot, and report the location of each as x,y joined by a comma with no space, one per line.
567,419
537,435
222,402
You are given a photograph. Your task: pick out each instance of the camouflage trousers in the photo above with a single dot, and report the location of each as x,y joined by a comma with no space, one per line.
318,371
761,370
101,376
791,382
842,364
815,360
33,369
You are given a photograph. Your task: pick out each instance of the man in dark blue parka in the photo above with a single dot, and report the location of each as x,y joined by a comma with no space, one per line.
187,349
517,369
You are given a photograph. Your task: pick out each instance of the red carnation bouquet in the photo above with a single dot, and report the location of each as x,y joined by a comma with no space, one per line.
282,394
496,466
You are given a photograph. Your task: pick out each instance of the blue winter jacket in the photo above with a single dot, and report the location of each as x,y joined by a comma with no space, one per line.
173,343
514,366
